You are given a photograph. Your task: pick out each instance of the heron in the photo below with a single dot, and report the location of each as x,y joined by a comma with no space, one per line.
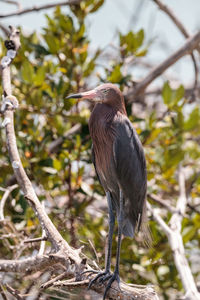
120,165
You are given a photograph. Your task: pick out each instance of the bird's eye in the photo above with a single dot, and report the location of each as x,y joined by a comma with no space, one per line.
105,91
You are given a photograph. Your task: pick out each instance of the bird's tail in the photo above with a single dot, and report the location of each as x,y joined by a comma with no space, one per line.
143,227
128,228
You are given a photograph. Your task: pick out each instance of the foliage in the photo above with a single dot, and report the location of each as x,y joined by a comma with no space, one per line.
47,69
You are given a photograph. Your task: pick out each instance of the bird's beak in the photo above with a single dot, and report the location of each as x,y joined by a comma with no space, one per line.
89,95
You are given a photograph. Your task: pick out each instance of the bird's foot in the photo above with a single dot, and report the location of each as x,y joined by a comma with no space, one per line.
104,276
90,272
112,278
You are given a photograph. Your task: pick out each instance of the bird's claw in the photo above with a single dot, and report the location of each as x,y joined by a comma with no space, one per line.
105,275
113,277
90,271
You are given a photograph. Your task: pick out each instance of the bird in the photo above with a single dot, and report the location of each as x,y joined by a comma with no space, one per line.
120,165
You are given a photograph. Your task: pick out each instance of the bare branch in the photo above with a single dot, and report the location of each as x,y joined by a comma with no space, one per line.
14,292
181,27
125,292
173,232
31,264
2,293
38,8
4,198
164,203
172,16
53,147
16,3
55,279
191,44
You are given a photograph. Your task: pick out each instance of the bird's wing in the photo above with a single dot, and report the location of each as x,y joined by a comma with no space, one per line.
94,163
130,167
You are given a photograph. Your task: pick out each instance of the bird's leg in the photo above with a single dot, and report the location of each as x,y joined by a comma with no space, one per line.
106,274
115,275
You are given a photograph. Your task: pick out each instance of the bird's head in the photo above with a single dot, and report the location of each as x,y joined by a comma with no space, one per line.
106,93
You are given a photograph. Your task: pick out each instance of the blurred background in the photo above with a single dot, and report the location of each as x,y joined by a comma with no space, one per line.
67,49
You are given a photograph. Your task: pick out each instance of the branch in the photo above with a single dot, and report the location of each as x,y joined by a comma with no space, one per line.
126,292
173,232
54,146
4,198
14,292
172,16
181,27
191,44
37,8
16,3
31,264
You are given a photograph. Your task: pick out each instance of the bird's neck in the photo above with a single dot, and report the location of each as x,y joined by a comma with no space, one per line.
103,135
102,117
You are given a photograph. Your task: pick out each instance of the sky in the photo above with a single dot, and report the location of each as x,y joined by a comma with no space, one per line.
119,15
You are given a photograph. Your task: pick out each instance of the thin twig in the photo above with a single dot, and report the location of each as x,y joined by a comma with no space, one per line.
71,284
53,280
14,292
38,8
4,198
93,248
16,3
183,30
162,202
58,142
2,293
35,240
43,242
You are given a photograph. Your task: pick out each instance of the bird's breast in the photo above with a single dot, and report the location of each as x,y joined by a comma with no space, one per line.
103,135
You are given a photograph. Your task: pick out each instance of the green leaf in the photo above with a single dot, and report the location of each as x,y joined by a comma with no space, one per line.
172,97
57,164
116,75
193,120
139,38
52,43
166,93
179,94
142,52
27,71
40,76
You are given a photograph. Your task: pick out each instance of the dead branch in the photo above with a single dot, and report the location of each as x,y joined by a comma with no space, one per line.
2,293
173,232
54,146
181,27
38,8
190,44
172,16
70,258
4,198
31,264
125,292
16,3
161,202
14,292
